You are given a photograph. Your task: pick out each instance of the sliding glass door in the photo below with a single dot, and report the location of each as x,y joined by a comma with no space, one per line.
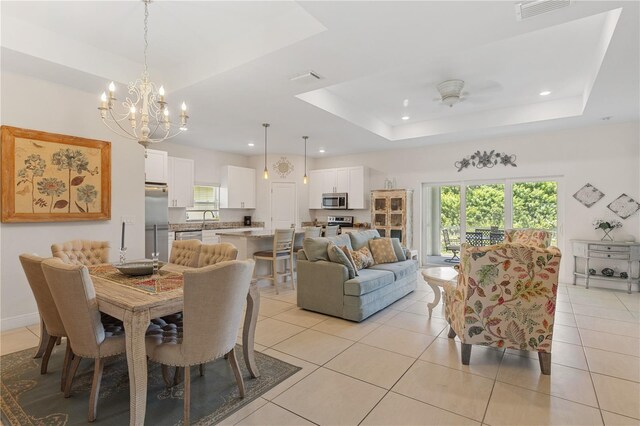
479,212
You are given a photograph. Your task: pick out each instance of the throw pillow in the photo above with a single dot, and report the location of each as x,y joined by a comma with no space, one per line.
362,258
382,250
347,253
316,248
336,255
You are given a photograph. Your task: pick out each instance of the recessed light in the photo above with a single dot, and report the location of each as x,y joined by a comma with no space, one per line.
251,144
545,93
321,150
405,117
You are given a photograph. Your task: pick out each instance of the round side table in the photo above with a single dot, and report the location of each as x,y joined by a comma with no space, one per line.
436,277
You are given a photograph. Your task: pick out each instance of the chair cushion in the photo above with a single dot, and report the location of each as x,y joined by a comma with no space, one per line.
397,248
367,281
337,255
316,248
399,269
362,258
382,250
361,239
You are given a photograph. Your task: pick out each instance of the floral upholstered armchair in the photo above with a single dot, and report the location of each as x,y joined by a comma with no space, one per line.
505,297
536,237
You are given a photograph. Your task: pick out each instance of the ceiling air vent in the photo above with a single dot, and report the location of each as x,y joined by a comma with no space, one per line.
529,9
307,77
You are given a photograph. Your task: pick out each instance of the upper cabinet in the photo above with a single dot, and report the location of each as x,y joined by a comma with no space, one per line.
156,167
351,180
181,173
238,188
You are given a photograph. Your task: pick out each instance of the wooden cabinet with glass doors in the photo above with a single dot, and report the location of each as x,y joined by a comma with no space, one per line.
392,214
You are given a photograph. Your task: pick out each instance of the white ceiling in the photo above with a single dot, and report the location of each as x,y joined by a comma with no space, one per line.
232,62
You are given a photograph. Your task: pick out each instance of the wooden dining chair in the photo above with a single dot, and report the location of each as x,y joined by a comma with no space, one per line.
82,252
331,231
75,298
282,251
213,301
53,328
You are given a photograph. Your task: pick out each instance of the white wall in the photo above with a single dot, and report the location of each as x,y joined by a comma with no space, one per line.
606,156
40,105
208,164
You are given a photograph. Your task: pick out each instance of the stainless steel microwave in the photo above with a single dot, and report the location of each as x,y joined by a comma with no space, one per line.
335,201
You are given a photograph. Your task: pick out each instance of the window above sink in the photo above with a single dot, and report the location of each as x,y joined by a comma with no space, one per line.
205,198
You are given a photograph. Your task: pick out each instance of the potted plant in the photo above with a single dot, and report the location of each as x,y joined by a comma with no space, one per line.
607,226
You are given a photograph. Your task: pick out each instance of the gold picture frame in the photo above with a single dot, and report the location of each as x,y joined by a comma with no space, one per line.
48,177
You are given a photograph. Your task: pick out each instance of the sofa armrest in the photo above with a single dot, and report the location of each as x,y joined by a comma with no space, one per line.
321,286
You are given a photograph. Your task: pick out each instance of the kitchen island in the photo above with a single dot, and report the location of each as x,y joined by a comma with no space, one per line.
249,242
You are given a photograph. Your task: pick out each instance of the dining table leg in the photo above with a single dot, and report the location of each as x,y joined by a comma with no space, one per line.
249,328
44,339
135,327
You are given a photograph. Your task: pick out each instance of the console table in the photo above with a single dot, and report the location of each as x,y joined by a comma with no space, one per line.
615,251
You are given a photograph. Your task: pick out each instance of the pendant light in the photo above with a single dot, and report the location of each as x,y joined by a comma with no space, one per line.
305,179
266,171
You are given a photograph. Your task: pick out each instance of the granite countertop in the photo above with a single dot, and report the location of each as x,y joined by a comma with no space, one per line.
254,234
197,226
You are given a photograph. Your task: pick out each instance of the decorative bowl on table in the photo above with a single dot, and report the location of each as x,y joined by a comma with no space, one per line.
141,267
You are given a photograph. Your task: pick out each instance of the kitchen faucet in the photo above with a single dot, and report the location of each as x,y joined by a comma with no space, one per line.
213,216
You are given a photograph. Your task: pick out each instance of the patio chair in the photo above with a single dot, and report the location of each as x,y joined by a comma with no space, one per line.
475,239
496,237
452,245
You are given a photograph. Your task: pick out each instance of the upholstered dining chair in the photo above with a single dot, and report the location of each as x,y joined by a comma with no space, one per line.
282,251
505,297
213,301
53,326
82,252
210,254
331,231
185,254
75,297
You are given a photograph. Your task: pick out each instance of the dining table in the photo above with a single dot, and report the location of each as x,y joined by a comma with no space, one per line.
137,301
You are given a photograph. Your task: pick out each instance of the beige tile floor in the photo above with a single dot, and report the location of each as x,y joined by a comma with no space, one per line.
399,368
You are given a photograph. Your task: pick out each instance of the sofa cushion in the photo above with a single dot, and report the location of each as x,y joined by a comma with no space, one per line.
362,258
361,239
369,280
397,247
337,255
316,248
399,269
382,250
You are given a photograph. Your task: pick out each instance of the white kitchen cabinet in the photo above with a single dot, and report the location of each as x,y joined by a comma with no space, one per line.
181,176
156,166
238,188
172,236
351,180
209,236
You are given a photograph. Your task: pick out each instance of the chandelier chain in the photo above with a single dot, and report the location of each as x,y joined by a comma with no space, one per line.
146,31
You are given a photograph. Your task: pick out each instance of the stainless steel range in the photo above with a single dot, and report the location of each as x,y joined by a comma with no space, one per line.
342,221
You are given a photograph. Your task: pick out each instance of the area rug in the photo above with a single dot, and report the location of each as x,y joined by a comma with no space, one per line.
29,398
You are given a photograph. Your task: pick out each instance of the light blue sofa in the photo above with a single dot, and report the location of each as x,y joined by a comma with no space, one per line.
325,287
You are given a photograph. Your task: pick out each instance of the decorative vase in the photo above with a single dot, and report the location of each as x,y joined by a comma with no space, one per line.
624,275
607,234
607,272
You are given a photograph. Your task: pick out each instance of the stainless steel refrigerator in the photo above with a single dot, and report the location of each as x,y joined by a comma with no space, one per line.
156,212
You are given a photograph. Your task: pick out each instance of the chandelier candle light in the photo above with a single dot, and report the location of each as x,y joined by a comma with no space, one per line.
145,109
266,171
305,179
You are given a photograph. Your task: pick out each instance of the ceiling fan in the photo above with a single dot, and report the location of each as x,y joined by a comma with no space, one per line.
451,92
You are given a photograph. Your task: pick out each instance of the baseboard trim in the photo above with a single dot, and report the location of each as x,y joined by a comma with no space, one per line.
19,321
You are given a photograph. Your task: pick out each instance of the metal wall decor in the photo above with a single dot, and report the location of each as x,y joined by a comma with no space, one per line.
624,206
588,195
283,167
481,160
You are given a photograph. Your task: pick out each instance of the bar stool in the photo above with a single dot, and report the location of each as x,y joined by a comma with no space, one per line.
331,231
282,250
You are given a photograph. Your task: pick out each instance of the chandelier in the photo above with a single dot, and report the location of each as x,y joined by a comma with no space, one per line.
145,108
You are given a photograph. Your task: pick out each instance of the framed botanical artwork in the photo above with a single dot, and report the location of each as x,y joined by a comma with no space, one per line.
48,177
